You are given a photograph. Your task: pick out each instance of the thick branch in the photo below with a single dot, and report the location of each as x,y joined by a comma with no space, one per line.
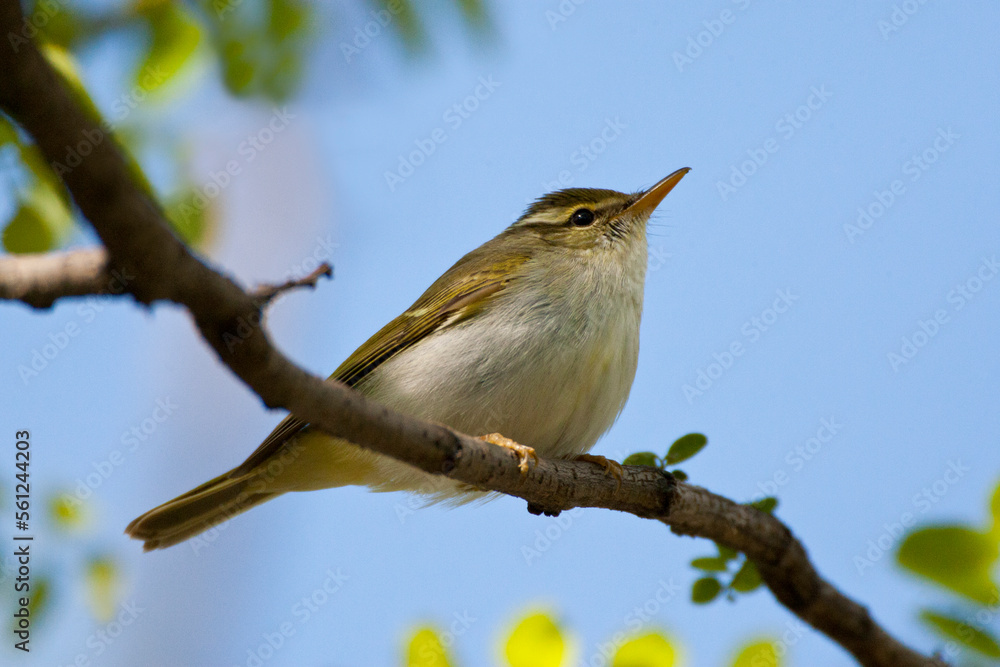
138,240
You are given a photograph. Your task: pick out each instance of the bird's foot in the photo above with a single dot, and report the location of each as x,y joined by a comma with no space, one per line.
524,453
611,467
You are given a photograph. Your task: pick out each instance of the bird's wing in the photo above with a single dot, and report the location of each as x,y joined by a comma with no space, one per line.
454,297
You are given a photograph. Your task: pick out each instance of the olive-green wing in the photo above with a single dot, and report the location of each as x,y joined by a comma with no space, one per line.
452,298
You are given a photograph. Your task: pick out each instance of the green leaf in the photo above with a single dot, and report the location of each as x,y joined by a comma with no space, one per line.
747,579
286,18
705,590
536,642
8,133
27,232
650,650
192,215
760,653
641,459
955,557
685,447
726,552
765,505
711,564
174,38
679,475
426,650
965,633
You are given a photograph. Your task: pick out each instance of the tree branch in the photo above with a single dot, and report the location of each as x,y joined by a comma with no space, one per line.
160,267
39,280
266,293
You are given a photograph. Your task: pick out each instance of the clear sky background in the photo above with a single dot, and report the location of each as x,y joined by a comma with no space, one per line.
823,112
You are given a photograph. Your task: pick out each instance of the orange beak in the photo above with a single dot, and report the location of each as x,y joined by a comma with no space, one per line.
652,197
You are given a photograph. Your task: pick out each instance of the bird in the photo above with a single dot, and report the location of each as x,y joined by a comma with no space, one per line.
530,341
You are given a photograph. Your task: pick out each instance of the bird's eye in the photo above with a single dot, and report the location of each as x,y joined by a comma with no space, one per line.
582,217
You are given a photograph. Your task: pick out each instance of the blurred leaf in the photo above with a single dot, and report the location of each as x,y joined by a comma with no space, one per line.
765,505
27,232
651,650
726,552
174,38
679,475
426,650
8,133
962,632
953,556
536,642
42,221
103,587
758,654
62,27
262,48
685,447
641,459
191,215
237,70
286,18
711,564
747,579
67,512
705,590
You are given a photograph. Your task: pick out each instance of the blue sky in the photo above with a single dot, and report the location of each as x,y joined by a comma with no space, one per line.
842,172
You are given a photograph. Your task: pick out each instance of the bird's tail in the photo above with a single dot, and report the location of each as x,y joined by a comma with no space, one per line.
306,462
199,509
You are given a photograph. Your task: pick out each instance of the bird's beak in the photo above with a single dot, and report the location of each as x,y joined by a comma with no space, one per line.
652,197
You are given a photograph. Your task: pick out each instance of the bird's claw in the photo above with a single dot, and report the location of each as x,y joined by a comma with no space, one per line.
524,453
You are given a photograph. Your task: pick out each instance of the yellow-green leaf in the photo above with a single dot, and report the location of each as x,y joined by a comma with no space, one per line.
650,650
426,650
192,215
955,557
641,459
286,17
760,653
174,39
685,447
976,638
711,564
28,232
765,505
103,587
68,512
747,579
536,642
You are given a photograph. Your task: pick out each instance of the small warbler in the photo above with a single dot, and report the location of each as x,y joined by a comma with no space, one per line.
530,341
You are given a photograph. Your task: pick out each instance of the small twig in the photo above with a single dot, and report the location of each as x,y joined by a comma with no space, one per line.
264,294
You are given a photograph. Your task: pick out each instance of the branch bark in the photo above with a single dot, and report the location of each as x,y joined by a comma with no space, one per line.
39,280
138,240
